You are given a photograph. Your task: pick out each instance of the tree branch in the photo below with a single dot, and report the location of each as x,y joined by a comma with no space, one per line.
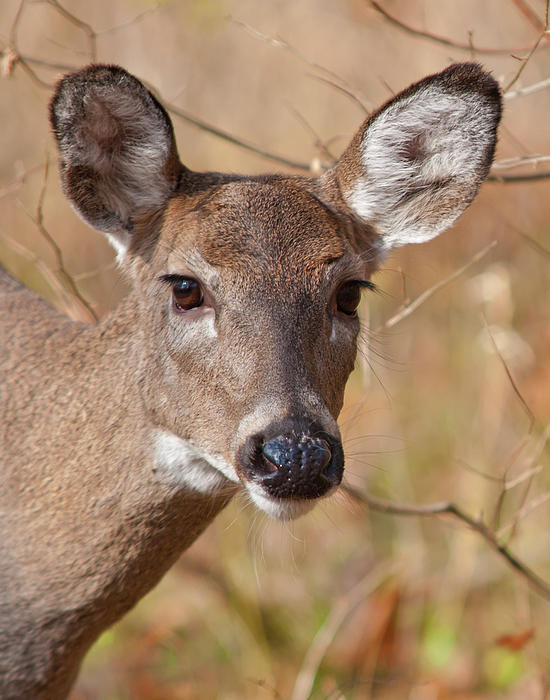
438,39
446,508
528,90
408,309
87,312
525,61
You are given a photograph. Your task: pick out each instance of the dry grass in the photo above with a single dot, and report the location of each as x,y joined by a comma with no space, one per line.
350,602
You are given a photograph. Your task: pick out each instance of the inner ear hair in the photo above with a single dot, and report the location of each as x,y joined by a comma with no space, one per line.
416,164
117,149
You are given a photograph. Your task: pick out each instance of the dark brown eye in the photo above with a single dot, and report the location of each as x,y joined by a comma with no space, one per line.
348,298
187,294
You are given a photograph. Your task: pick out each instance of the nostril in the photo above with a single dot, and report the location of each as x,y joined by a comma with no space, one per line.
293,454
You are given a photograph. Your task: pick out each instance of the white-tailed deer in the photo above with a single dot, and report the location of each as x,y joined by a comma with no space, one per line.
225,367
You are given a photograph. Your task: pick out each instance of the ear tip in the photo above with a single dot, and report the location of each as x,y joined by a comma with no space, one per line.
473,77
72,87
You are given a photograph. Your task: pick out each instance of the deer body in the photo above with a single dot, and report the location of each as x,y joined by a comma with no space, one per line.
225,367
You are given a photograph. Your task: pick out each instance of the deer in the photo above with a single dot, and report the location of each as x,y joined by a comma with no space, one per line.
222,371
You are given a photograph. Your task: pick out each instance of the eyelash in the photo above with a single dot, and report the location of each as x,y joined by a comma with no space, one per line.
174,279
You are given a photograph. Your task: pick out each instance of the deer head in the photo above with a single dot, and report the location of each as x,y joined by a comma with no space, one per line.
245,289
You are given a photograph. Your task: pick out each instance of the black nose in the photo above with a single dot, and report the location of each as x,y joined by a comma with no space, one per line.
305,455
295,463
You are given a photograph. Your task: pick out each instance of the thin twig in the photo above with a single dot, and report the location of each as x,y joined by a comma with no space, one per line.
527,509
18,182
65,67
61,269
333,77
352,94
226,136
527,177
535,244
501,497
324,637
72,308
524,441
319,144
527,90
528,476
525,61
446,508
531,17
519,162
515,388
408,309
12,37
130,22
512,483
438,39
84,26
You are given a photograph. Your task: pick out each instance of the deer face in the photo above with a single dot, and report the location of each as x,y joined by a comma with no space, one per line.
248,287
255,291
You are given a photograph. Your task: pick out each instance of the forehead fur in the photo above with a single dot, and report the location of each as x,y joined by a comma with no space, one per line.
251,223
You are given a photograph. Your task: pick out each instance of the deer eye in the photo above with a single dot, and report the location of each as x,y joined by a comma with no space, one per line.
348,297
187,294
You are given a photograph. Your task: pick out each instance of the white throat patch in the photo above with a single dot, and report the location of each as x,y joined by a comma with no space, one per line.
179,463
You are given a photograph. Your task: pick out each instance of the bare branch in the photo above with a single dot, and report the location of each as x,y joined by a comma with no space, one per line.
535,46
446,508
338,614
520,162
92,36
334,78
527,177
13,29
61,270
72,308
509,485
18,182
438,39
319,144
413,305
535,244
352,94
130,22
524,512
523,402
527,12
528,90
226,136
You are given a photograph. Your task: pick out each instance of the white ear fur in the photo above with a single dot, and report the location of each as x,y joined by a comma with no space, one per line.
423,157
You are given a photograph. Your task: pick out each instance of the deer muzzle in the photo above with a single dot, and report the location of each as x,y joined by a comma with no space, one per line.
290,461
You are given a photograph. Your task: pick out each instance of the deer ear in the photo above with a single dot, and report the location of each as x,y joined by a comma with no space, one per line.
417,163
118,158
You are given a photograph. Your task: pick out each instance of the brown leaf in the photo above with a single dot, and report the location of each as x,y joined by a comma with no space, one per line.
516,642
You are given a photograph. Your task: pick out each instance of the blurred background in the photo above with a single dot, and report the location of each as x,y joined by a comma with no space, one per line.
450,399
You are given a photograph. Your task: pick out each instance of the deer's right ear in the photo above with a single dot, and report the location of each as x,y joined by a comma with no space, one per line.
418,162
118,158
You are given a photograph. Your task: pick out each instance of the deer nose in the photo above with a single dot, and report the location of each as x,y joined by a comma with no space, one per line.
296,463
305,456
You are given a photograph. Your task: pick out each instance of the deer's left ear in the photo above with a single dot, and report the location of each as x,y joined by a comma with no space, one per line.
417,163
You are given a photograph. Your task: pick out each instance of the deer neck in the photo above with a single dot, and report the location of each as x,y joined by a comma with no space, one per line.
107,514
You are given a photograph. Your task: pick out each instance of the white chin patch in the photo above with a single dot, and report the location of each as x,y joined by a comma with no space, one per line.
278,509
